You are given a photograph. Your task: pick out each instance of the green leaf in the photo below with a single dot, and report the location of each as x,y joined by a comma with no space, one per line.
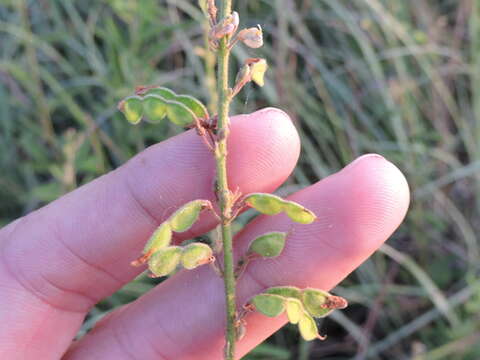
155,107
196,254
285,291
180,114
165,261
183,219
194,105
269,305
132,108
294,310
267,204
269,245
308,327
298,213
161,238
313,301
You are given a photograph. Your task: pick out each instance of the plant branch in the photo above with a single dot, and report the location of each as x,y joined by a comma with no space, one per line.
223,191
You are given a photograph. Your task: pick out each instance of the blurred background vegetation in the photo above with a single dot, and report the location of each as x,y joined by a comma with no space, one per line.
400,78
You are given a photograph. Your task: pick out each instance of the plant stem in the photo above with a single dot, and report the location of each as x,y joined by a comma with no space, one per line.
222,185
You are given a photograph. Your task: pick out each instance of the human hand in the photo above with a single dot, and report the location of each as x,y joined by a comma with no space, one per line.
57,262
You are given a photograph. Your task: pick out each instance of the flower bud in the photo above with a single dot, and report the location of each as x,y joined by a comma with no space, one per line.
252,37
196,254
183,219
132,108
298,213
294,310
285,291
226,27
269,305
165,261
267,204
259,67
269,245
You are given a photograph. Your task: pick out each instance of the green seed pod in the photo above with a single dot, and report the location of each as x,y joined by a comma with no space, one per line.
196,254
298,213
285,291
183,219
267,204
165,261
308,327
180,114
193,104
314,301
164,92
269,305
269,245
294,310
132,108
155,107
161,238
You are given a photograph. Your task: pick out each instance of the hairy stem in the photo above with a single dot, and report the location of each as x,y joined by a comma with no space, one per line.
222,185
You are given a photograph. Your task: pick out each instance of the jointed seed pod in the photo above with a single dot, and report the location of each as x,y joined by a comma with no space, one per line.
194,105
160,238
155,107
294,310
269,305
132,108
196,254
298,213
308,328
184,218
165,261
267,204
285,291
269,245
314,301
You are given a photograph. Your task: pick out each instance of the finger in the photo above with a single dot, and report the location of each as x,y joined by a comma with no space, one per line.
60,260
183,318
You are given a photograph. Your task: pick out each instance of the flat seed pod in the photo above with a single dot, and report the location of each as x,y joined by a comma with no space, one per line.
314,301
267,204
180,114
165,261
164,92
298,213
183,219
294,310
308,327
269,305
132,108
269,245
155,107
285,291
193,104
196,254
160,238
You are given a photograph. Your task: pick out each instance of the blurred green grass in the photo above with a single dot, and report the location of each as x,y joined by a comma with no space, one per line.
397,78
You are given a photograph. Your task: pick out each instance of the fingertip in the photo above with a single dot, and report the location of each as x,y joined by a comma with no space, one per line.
268,139
377,202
